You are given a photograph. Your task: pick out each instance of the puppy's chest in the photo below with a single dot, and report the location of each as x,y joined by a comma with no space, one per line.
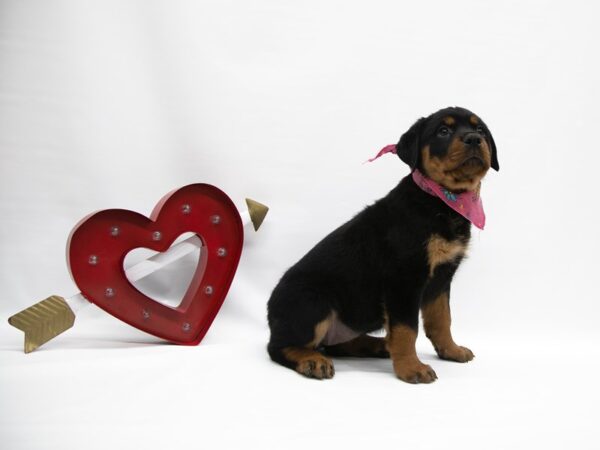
445,250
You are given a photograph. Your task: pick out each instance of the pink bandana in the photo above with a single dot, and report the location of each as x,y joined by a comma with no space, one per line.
467,204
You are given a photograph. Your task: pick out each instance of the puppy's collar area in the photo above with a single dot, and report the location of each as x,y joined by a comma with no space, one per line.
467,204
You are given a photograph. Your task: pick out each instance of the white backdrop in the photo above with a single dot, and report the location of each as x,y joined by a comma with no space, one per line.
114,103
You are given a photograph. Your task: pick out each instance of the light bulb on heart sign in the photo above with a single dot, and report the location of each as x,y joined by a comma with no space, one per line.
99,243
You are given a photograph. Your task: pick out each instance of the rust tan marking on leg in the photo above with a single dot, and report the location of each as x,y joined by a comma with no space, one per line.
321,330
474,120
362,346
401,341
440,251
401,345
449,120
436,322
309,362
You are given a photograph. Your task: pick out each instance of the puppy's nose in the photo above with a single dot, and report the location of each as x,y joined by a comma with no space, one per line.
472,139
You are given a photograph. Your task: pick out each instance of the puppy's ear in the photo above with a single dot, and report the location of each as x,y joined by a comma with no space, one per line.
407,147
495,164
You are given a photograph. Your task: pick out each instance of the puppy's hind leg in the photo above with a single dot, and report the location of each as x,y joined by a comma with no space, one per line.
304,359
308,362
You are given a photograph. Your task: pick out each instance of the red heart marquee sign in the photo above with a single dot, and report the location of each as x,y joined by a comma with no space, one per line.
99,243
96,252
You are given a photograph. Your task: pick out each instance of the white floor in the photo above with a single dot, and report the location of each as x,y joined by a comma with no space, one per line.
103,385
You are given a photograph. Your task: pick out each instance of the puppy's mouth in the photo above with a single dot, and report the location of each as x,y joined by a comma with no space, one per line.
470,167
472,162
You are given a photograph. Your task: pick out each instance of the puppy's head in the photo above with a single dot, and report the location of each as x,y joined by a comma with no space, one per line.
453,147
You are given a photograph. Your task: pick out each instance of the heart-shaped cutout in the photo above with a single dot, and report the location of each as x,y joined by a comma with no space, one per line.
169,283
98,245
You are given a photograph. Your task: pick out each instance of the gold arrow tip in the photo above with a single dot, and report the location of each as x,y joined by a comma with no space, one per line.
43,321
257,212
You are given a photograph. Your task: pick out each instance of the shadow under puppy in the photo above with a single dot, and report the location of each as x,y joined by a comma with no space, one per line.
395,258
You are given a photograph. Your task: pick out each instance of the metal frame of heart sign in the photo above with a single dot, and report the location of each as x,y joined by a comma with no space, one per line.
98,245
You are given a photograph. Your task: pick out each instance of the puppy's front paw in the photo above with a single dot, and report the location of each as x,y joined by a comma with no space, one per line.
317,367
414,371
456,353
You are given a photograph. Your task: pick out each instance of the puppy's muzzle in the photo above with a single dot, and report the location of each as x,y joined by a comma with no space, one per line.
473,150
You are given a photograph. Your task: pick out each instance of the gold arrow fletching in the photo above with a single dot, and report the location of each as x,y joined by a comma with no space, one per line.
257,212
43,321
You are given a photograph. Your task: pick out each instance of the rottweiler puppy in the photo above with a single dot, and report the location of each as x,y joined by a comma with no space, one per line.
395,258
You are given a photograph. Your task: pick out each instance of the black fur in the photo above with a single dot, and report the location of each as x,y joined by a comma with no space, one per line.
376,262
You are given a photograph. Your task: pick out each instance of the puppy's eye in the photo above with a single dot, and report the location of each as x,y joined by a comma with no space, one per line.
443,131
480,130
